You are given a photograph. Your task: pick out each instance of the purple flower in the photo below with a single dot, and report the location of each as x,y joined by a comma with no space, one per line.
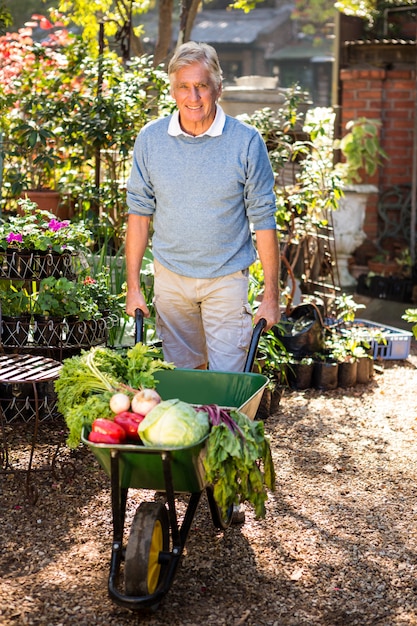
14,237
57,225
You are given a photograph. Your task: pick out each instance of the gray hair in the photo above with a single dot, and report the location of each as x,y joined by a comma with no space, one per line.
192,52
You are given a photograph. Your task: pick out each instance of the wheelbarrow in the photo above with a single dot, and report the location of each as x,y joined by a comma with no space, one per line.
156,539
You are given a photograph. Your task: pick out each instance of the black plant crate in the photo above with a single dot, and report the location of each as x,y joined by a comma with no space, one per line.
385,287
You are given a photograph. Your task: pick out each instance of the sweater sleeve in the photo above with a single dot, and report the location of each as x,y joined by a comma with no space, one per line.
260,199
140,195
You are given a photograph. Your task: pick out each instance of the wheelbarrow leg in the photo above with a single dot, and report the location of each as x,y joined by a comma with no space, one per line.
179,535
118,501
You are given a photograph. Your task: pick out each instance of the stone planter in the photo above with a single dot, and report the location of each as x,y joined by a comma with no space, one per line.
348,221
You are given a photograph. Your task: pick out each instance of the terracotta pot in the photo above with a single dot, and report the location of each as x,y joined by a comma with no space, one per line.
46,199
384,269
49,200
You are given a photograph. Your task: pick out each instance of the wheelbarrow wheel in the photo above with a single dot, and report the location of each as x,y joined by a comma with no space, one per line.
149,535
219,519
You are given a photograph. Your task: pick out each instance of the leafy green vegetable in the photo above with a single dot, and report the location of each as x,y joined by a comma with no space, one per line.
142,364
84,414
173,423
87,381
233,464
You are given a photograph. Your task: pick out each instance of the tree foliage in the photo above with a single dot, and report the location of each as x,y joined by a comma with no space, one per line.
370,10
5,18
314,15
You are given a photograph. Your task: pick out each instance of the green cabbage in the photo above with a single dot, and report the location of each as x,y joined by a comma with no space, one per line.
174,424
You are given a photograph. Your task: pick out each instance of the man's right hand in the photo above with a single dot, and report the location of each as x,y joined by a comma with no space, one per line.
135,300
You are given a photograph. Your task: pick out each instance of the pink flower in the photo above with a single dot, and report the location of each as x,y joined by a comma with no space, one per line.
57,225
14,237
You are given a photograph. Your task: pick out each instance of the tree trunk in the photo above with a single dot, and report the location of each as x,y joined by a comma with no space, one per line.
165,9
189,10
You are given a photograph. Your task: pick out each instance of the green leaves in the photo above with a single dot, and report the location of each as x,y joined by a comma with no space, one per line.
240,469
83,391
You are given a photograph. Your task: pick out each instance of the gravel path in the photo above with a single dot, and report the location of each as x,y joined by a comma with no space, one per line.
338,545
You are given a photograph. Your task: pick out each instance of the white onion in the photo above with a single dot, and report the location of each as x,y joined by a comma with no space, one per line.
119,402
145,400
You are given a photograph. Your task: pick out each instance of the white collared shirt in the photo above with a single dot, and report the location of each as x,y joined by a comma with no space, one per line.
215,129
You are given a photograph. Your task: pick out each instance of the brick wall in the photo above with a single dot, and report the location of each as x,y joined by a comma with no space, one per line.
387,95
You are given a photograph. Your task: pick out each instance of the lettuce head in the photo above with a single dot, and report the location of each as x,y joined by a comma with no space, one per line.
174,424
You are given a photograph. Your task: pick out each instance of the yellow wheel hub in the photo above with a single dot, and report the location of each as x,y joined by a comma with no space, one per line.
154,568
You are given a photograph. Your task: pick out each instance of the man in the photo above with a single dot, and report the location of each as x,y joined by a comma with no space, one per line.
204,178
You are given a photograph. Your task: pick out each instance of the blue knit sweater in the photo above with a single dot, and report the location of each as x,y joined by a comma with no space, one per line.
203,193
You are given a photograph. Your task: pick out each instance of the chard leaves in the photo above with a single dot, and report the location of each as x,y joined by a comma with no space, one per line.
240,468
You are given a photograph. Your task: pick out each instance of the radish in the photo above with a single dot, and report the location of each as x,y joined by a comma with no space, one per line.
119,402
145,400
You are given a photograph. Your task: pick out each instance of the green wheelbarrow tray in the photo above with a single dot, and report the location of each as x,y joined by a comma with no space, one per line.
141,467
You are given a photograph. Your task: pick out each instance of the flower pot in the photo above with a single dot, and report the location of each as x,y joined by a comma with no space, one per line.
363,370
46,199
387,268
276,396
18,264
300,375
325,375
79,332
15,330
347,373
48,330
102,327
301,331
264,409
52,264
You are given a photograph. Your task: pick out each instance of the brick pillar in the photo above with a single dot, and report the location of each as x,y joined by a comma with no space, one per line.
387,95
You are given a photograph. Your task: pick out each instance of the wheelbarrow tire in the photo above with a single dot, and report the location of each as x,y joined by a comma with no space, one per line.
219,519
149,535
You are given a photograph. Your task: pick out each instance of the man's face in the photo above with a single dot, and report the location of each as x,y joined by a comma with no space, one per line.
195,95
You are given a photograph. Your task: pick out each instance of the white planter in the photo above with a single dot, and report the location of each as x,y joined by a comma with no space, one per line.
348,220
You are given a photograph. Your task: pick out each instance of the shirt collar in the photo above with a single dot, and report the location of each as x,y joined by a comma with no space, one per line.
215,129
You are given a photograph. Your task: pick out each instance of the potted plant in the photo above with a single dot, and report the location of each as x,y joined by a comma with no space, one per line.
37,244
271,360
15,313
61,297
300,372
33,101
325,370
345,351
57,303
96,288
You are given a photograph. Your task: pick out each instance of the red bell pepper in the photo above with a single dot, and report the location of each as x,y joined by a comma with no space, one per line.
108,428
130,422
102,438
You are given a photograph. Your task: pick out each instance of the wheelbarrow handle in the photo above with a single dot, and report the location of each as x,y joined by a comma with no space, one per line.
138,326
253,346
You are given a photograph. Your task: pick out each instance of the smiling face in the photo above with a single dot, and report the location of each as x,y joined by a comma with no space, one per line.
195,94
